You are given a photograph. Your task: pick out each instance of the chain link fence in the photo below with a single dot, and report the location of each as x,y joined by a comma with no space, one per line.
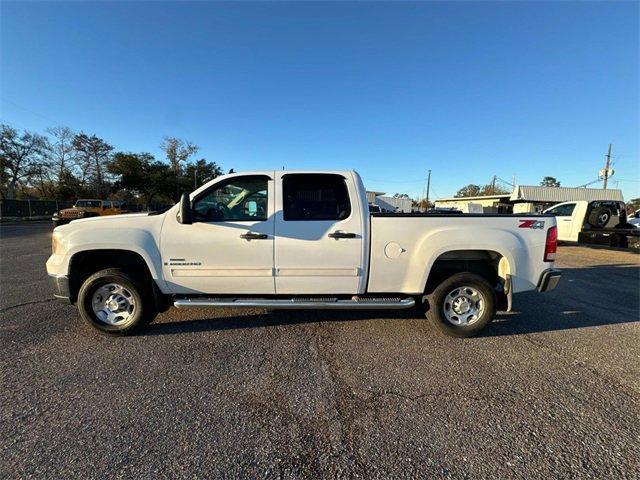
25,209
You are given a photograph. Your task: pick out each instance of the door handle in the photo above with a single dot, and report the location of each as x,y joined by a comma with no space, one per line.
254,236
337,235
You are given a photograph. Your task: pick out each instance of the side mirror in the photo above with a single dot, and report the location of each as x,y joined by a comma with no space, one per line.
185,214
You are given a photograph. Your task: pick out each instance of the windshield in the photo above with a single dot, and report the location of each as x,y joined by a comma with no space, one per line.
88,203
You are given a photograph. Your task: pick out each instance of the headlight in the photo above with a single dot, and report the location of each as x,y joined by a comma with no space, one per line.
56,244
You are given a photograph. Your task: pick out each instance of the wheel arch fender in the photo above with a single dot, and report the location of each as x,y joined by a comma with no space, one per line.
437,243
137,241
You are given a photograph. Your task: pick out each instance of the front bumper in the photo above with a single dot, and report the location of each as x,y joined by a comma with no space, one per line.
549,279
60,286
57,220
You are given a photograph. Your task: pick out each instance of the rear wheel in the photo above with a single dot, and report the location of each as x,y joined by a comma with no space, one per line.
462,305
116,303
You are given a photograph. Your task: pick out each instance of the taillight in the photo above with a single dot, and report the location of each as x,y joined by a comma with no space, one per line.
551,245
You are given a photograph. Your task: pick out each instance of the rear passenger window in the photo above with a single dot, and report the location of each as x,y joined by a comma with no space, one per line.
311,196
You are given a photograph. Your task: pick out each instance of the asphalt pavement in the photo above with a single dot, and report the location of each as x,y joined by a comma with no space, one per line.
550,390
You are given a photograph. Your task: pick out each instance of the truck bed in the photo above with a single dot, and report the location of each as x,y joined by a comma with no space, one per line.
403,244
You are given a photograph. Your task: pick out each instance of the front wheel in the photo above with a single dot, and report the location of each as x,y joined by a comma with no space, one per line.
115,303
462,305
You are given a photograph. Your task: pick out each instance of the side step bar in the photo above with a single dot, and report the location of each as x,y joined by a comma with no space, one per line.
298,303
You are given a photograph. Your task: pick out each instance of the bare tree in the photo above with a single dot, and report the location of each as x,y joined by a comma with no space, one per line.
93,154
178,151
42,178
62,151
20,156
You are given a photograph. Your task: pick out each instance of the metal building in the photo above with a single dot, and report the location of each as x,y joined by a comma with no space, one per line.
481,204
531,198
527,198
389,204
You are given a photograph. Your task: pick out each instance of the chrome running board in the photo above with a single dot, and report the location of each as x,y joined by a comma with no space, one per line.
298,303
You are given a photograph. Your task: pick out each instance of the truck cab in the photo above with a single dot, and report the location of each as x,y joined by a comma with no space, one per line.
272,232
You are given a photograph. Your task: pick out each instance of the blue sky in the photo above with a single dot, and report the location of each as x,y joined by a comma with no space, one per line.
467,90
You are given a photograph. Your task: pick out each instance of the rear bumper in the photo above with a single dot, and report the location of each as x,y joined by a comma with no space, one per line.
60,286
549,280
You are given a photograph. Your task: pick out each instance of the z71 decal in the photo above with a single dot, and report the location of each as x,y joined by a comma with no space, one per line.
531,224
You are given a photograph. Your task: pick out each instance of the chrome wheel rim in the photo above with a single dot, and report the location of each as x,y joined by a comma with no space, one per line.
464,306
113,304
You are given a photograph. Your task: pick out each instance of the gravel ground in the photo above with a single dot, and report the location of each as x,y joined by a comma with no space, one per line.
551,390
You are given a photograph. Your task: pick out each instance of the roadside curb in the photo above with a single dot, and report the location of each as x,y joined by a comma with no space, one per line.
13,221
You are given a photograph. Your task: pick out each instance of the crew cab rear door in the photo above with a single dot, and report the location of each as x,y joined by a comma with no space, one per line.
319,234
564,216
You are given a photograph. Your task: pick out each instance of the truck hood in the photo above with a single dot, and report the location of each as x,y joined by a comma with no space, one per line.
109,218
125,221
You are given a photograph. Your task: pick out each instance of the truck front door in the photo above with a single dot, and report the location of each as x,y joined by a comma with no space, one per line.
228,249
319,235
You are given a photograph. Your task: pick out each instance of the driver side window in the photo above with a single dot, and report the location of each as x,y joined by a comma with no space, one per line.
563,210
238,199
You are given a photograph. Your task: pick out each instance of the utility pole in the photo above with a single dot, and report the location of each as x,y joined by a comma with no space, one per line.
428,187
493,185
606,168
195,178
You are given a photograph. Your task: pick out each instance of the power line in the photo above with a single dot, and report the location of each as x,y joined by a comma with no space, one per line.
588,183
393,181
45,117
505,182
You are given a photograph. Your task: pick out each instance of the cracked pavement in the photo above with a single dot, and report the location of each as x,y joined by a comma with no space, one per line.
551,390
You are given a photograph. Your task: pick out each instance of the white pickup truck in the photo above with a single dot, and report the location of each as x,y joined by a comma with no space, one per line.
601,222
298,240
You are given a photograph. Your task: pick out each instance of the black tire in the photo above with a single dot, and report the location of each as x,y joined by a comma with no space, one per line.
142,295
599,217
618,240
435,307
